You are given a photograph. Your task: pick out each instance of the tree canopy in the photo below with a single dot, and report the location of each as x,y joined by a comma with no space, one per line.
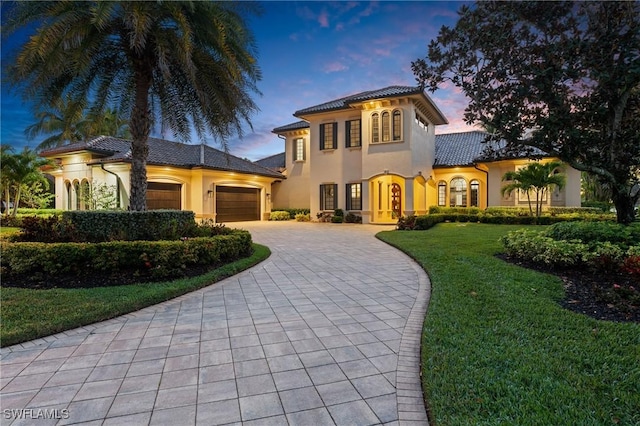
561,77
185,64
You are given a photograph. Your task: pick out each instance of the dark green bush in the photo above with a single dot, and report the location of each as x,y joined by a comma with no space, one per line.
338,212
152,225
352,218
337,219
596,232
30,263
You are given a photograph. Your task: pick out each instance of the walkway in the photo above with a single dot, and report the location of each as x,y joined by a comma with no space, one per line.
326,331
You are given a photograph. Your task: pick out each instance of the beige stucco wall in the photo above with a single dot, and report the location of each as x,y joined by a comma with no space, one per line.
293,192
569,196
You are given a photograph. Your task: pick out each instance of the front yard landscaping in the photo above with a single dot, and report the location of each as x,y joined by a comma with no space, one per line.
498,347
29,313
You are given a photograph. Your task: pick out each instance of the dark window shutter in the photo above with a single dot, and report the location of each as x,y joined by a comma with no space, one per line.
335,195
347,193
321,197
347,134
335,135
321,137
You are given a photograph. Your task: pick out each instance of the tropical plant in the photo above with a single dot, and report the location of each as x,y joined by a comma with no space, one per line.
188,64
558,77
19,170
539,178
61,121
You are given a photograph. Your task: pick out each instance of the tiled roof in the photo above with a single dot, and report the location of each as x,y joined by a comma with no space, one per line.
163,152
387,92
293,126
275,162
468,148
459,149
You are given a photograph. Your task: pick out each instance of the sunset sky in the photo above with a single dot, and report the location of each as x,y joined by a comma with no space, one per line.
310,52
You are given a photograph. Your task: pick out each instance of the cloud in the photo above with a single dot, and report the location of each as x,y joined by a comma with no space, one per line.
323,19
335,67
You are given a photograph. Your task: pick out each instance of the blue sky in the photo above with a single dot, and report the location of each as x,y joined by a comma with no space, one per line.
311,52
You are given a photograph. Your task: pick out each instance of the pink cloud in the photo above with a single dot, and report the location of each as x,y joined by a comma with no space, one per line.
335,67
323,19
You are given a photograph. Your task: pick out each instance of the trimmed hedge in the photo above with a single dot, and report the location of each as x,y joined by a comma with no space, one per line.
294,212
110,225
29,264
279,215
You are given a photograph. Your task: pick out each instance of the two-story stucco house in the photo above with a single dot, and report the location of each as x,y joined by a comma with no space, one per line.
376,154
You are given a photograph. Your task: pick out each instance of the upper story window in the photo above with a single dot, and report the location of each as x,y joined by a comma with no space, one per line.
353,133
298,149
386,127
328,136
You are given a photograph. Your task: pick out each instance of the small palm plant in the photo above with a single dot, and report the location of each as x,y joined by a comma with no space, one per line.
537,178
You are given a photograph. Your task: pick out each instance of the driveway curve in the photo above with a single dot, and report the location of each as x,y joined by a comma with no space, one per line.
326,331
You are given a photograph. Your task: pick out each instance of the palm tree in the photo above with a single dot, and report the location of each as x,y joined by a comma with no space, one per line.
537,177
190,64
19,170
60,120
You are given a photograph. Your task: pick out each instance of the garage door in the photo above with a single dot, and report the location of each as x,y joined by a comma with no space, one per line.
163,196
235,204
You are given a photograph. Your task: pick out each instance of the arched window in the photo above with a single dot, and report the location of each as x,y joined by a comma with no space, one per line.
78,197
397,125
475,193
458,193
442,193
69,194
375,127
85,195
386,127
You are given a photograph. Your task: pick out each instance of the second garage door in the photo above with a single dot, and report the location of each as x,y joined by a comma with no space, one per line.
236,204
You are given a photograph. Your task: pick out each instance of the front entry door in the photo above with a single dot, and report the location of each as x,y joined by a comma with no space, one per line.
396,200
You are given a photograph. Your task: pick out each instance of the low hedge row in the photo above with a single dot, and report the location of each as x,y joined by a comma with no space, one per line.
28,264
515,211
424,222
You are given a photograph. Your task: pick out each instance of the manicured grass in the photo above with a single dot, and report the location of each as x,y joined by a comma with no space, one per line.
497,349
28,314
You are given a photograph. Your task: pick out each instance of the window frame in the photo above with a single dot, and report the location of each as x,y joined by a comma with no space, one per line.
348,133
324,136
386,126
453,191
474,193
298,144
354,202
325,196
442,193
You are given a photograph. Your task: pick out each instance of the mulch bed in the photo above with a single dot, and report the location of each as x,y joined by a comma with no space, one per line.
604,296
98,280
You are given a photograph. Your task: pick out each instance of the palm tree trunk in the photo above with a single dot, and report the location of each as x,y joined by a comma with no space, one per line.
140,129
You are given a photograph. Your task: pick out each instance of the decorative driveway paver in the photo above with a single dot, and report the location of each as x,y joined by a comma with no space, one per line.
325,331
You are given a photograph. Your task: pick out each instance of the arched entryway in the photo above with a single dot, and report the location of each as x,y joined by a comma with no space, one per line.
386,201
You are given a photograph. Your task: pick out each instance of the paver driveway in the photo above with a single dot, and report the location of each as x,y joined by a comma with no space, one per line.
326,331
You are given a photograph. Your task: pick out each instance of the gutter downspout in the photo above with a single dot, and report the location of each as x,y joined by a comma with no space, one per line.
117,184
475,166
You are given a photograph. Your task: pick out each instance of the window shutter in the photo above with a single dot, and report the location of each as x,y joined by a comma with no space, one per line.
347,194
335,135
335,195
347,134
304,150
321,197
321,137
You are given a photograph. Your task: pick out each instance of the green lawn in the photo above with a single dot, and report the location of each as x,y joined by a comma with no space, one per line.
497,349
28,314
